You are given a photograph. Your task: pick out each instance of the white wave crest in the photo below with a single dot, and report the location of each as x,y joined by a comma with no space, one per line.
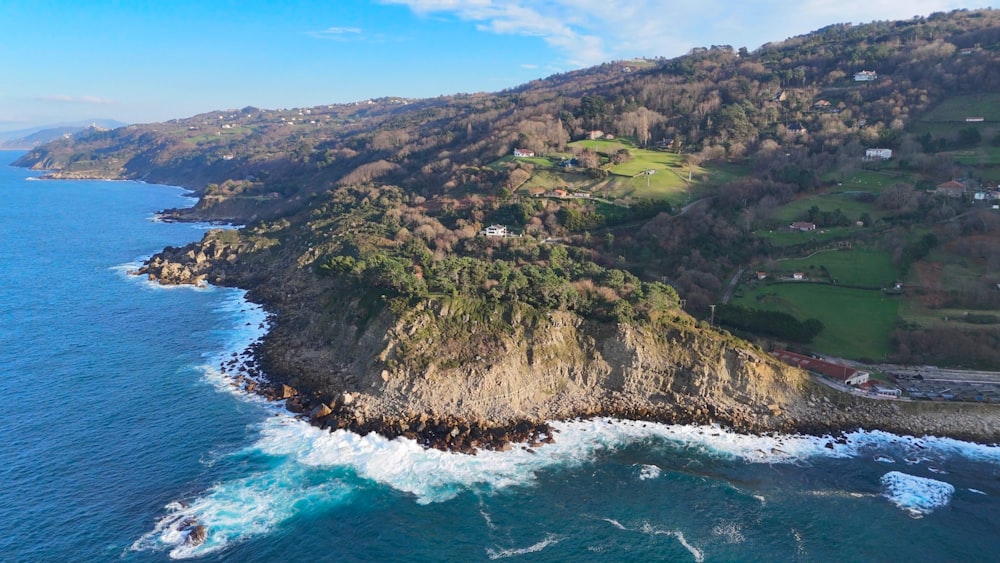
649,472
615,523
235,510
916,495
514,552
254,505
699,555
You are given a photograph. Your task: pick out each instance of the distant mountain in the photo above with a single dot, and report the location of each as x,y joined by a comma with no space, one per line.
34,136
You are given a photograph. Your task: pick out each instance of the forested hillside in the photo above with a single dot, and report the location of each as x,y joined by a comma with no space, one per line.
643,184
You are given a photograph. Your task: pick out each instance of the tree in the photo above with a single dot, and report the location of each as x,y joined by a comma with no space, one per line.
588,158
621,156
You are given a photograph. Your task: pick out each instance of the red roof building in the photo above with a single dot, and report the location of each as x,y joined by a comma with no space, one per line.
844,374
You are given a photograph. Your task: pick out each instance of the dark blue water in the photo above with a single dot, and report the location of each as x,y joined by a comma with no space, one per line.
115,424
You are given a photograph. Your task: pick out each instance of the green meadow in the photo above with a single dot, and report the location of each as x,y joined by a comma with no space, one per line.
848,203
858,267
957,108
783,236
857,323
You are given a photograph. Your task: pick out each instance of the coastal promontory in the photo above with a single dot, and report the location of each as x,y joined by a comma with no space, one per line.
628,240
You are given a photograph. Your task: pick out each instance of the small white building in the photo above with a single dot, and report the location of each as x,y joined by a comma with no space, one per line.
523,153
494,231
878,154
865,76
887,392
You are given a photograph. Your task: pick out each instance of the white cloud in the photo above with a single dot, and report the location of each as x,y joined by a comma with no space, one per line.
586,32
93,100
336,33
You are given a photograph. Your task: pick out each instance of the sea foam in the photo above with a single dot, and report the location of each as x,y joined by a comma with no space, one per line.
916,495
310,467
430,476
514,552
647,472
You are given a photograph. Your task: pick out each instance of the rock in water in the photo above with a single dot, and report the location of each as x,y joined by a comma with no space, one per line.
197,535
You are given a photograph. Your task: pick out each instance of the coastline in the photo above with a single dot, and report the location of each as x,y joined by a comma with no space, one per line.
822,415
329,383
818,413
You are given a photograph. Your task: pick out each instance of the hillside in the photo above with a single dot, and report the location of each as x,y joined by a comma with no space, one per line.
30,138
641,193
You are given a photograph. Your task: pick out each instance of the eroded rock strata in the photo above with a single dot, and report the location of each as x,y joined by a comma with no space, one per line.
432,374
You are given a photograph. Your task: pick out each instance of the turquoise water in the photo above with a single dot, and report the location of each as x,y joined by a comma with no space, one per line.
115,424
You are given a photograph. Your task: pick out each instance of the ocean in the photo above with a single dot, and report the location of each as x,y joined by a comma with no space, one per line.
116,424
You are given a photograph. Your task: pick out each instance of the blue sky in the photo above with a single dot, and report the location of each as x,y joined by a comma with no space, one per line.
142,61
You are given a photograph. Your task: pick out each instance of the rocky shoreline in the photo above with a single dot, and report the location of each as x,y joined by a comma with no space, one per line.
448,433
737,389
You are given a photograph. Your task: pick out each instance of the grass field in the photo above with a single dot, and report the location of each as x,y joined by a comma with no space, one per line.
957,108
217,136
538,161
626,182
874,180
952,271
669,181
796,210
857,323
858,266
786,237
985,155
606,146
544,180
664,185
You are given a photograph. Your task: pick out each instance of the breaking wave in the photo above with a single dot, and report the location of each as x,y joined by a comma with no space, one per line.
917,495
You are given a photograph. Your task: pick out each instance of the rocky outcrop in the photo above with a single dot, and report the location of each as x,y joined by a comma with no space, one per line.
431,374
438,375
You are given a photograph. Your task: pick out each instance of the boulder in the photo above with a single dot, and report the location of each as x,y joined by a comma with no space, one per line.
320,411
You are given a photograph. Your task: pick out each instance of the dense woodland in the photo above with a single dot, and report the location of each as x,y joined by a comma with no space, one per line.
393,193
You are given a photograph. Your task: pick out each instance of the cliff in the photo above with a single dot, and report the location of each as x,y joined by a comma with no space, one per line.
453,375
394,313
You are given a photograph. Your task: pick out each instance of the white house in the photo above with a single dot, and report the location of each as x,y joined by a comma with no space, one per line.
523,153
852,376
878,154
494,231
865,76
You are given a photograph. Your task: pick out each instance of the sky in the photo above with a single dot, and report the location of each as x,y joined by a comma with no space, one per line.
140,61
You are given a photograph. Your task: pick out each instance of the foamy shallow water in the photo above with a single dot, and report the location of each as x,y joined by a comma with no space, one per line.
313,467
310,469
917,495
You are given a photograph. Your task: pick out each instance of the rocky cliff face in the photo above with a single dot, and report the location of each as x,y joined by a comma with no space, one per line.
438,373
375,368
